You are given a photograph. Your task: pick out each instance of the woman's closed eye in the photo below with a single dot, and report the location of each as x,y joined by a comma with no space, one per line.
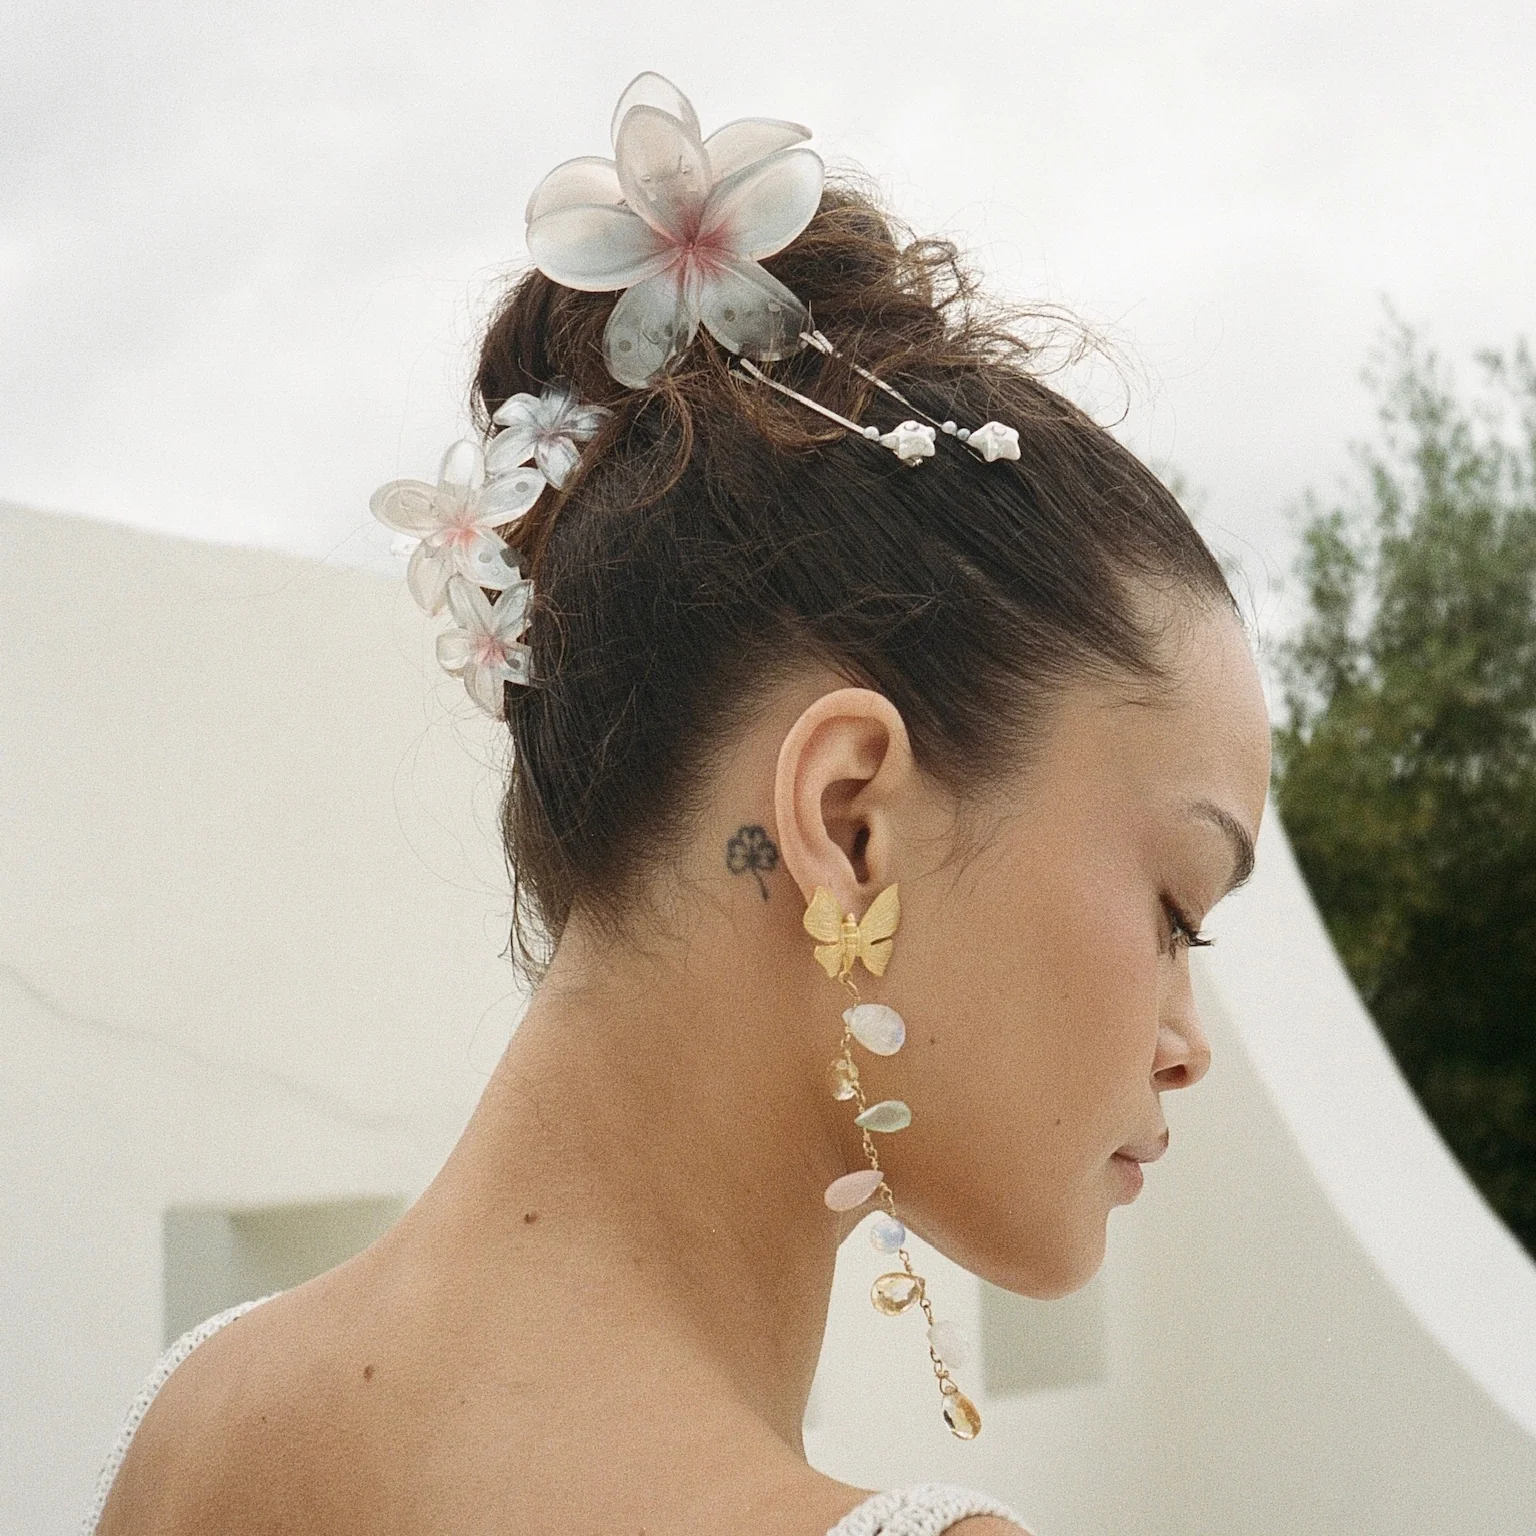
1182,932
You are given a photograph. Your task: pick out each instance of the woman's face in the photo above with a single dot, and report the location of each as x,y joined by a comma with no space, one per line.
1045,982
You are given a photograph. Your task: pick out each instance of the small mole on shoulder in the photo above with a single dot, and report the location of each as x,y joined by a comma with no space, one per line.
530,1216
367,1373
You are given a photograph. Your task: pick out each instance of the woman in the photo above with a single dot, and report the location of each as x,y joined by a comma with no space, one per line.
882,733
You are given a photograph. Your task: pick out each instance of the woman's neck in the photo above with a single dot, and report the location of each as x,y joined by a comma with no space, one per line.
652,1148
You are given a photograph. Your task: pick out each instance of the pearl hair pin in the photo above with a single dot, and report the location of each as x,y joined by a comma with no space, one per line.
911,441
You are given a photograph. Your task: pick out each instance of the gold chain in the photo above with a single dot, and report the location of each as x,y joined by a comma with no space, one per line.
941,1373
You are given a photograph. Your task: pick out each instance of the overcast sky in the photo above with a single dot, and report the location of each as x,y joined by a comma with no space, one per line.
244,250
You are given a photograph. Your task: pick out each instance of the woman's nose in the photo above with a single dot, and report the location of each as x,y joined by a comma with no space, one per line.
1183,1053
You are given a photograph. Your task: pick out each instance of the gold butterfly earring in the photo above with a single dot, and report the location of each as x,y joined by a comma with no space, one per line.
844,941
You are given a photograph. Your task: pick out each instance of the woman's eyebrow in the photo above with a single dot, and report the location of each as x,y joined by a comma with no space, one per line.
1236,834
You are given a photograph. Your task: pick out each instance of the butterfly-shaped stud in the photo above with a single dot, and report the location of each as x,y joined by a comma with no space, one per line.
844,939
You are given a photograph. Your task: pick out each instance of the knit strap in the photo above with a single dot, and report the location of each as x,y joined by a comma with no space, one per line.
921,1509
147,1394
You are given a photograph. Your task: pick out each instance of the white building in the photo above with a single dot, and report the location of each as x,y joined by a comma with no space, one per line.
249,990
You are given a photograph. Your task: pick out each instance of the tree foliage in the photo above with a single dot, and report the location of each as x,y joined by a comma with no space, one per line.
1406,766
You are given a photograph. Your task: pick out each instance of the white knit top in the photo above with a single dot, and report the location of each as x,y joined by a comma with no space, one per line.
922,1509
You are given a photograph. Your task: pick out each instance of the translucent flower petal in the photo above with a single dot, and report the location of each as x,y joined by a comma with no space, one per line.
454,649
749,311
512,446
509,615
407,506
427,576
596,249
519,664
746,140
471,612
761,208
508,495
663,170
486,686
586,421
653,90
463,465
587,179
649,326
486,561
557,457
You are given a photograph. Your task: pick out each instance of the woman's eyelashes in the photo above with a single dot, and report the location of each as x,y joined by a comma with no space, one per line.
1182,933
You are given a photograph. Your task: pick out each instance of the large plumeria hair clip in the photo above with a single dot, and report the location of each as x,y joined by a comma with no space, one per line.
680,224
459,554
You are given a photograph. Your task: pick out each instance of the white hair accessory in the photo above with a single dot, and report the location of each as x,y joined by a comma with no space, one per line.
680,223
483,647
479,490
454,520
548,428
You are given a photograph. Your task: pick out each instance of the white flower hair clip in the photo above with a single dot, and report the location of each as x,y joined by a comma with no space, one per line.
482,646
548,428
459,552
455,519
680,223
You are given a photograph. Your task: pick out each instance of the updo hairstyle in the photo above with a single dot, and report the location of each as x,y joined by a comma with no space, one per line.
718,538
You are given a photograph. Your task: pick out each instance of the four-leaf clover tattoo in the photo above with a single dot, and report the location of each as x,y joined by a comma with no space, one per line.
752,849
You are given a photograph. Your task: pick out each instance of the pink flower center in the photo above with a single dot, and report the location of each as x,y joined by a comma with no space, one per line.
489,651
701,253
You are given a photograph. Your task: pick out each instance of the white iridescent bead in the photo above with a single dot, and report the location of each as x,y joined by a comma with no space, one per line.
949,1343
886,1234
876,1027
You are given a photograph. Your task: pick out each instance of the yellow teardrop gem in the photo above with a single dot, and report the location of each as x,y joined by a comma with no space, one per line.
961,1416
892,1294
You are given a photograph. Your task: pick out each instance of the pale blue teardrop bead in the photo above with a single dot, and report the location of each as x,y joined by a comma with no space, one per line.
886,1234
887,1115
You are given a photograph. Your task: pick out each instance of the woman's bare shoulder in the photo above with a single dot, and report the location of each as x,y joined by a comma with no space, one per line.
226,1434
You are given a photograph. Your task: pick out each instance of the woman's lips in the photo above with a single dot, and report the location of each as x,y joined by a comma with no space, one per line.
1130,1158
1131,1169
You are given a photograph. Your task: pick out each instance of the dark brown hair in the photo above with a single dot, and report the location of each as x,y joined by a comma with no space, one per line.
719,537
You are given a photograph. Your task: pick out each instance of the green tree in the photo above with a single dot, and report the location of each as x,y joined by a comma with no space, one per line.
1406,763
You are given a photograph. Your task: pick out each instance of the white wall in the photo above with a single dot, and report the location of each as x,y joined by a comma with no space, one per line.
252,915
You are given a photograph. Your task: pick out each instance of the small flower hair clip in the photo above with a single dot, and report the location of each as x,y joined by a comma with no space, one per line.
548,428
680,223
482,646
459,552
455,519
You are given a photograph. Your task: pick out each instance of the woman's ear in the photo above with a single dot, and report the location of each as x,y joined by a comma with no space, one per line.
843,768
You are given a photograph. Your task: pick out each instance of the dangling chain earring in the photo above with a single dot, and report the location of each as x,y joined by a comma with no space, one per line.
843,940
